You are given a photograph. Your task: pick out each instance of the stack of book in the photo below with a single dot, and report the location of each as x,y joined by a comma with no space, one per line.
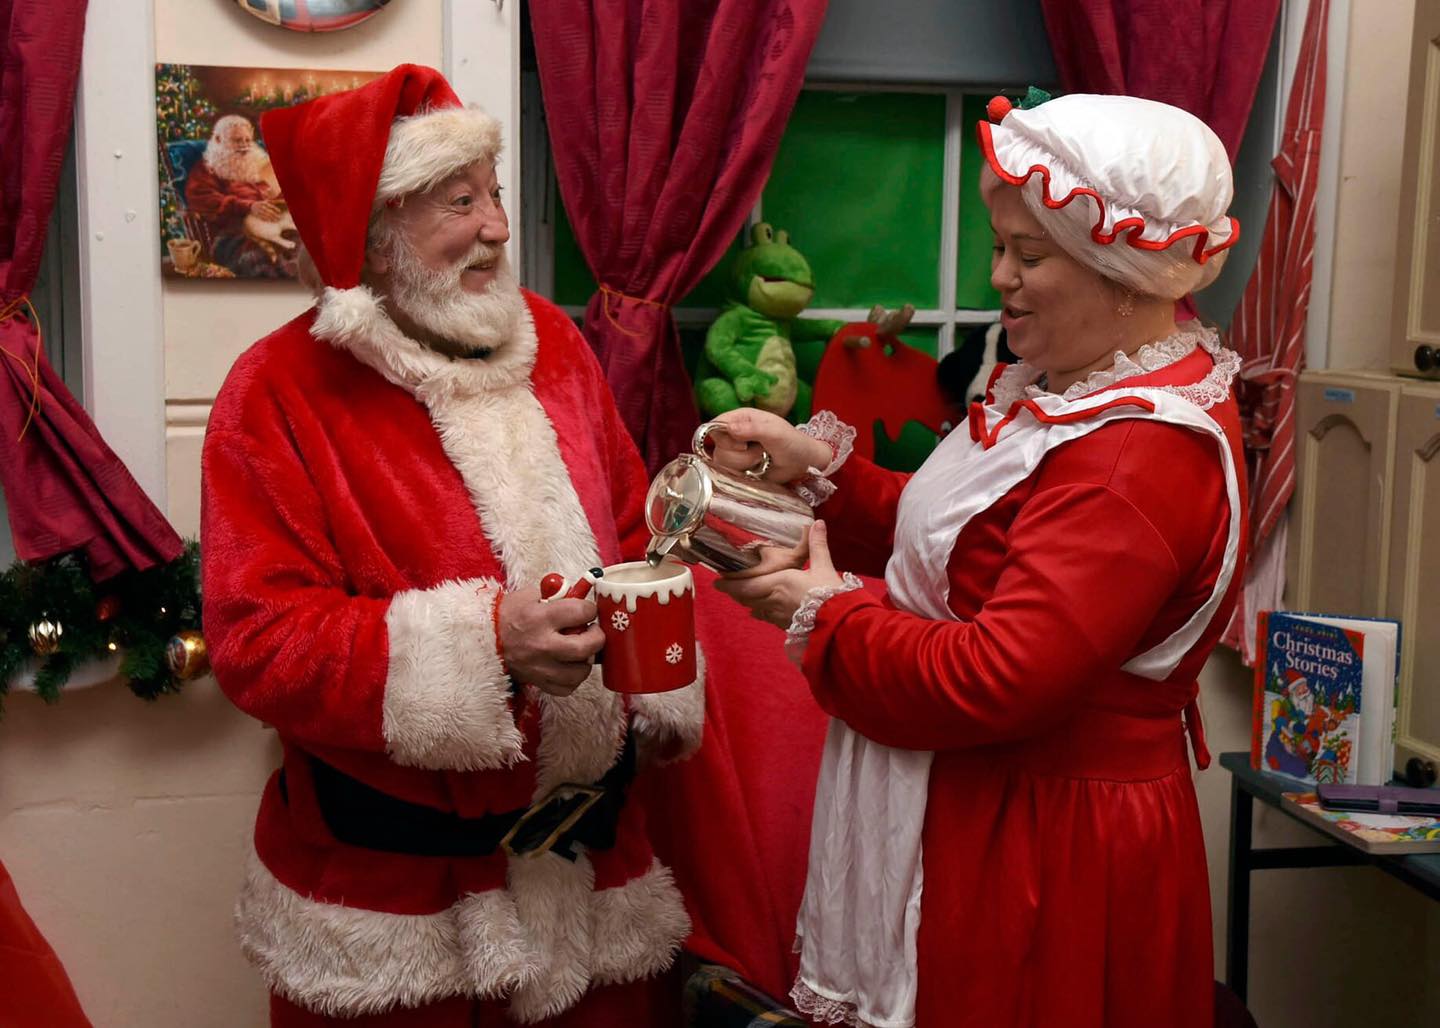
1371,832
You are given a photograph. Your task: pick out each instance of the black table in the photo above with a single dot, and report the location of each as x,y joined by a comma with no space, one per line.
1421,871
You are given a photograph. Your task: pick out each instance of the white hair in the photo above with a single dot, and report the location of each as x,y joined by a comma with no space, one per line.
229,163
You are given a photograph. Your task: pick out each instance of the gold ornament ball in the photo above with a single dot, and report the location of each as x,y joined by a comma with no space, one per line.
45,637
187,655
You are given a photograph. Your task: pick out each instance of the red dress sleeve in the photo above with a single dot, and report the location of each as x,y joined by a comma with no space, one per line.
1107,539
861,515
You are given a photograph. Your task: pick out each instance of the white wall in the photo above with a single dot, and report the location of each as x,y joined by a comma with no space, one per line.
124,823
209,323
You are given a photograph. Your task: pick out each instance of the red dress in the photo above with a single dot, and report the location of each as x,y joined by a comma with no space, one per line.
1064,868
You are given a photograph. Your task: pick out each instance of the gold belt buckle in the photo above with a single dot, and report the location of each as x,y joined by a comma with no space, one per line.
561,793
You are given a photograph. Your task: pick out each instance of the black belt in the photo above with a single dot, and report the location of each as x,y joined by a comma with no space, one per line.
359,815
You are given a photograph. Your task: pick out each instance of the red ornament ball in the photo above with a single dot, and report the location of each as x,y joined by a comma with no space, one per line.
107,608
997,108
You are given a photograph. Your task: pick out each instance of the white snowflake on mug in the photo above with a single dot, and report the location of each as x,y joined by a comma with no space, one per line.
620,620
674,654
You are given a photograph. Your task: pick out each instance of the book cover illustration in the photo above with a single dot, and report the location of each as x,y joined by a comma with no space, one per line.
1308,721
1382,833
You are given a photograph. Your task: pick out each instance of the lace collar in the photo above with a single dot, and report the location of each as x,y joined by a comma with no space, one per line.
1019,382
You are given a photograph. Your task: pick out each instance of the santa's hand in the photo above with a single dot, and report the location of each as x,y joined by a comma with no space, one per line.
775,597
748,431
534,643
265,211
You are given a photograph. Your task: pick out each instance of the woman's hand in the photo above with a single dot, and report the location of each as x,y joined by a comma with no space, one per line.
775,590
748,431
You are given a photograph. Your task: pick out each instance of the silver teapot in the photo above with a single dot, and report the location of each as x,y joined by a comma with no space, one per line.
706,514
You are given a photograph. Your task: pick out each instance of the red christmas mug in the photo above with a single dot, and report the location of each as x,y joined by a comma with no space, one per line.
648,616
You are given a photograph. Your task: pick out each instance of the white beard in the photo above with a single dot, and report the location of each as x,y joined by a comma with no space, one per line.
252,165
436,302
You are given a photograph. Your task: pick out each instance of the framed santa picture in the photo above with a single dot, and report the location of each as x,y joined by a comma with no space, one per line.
222,213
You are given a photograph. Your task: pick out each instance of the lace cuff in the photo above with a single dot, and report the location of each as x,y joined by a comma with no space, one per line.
815,486
803,622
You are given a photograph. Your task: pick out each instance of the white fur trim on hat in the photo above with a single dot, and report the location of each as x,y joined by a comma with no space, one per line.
427,147
1147,174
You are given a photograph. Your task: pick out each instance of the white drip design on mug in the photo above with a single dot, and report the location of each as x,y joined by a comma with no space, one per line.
677,581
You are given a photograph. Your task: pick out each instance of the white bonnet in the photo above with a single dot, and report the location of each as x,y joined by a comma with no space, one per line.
1136,189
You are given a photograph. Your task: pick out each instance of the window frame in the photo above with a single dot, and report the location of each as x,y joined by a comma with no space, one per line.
945,318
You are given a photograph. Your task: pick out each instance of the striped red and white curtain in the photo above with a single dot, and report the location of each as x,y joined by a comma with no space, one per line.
1268,331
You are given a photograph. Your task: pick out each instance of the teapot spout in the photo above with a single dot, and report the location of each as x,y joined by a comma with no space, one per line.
660,547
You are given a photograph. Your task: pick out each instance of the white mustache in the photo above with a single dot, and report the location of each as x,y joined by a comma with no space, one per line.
481,252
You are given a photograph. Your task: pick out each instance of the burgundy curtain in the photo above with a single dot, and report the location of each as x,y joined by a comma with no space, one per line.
64,487
664,119
1205,56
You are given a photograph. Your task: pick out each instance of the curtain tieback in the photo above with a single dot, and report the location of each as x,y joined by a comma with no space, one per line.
606,292
32,371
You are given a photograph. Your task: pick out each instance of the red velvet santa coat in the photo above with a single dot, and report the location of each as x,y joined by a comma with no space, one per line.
364,497
1064,868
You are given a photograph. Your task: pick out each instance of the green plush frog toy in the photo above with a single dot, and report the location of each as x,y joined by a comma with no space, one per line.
748,358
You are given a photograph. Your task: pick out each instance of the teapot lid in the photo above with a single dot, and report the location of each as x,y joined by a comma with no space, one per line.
679,496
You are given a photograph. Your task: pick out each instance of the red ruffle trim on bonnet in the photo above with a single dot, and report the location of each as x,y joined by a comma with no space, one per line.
1133,226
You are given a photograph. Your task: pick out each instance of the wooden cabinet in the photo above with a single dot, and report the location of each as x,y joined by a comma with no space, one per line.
1365,524
1415,326
1413,589
1344,438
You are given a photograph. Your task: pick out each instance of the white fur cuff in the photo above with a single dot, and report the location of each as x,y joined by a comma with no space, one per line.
447,696
667,717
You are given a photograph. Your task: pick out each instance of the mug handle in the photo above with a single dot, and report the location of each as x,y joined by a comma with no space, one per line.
703,432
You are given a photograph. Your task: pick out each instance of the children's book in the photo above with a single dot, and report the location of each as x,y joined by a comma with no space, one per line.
1325,697
1374,833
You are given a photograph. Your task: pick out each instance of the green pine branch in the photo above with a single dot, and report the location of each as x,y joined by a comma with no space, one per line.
153,606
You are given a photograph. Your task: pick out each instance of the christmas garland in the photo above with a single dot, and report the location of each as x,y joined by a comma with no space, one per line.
54,611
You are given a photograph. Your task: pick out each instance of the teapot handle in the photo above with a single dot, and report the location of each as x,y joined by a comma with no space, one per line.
703,432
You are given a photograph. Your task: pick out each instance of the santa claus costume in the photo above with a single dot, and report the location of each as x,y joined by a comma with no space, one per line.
1006,833
366,499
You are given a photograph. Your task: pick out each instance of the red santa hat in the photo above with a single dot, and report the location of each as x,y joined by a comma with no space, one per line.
340,156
